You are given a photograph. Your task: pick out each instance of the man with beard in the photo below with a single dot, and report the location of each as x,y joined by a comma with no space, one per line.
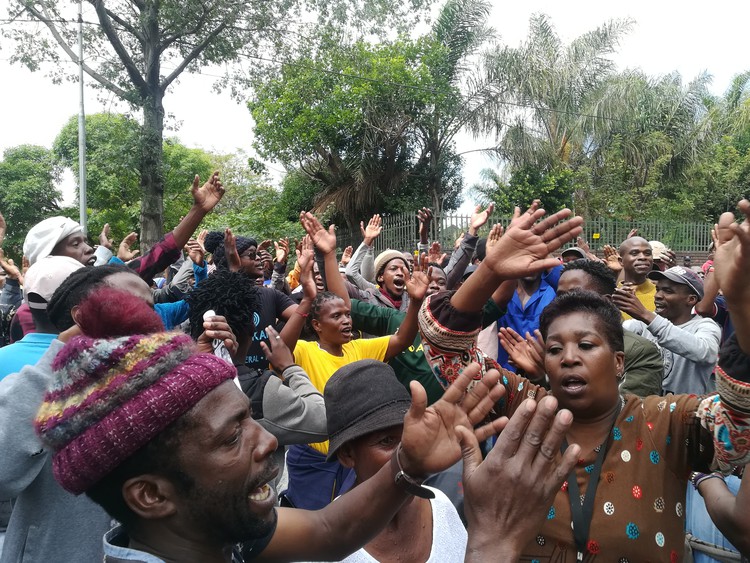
161,437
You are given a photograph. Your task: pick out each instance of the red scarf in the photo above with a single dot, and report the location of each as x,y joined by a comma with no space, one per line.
396,303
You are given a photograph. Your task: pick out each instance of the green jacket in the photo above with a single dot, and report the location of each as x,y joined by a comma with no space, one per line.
644,366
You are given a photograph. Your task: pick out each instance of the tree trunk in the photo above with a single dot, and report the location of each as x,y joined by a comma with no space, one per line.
152,177
152,171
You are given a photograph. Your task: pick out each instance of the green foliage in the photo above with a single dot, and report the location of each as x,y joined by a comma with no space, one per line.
112,178
554,189
28,192
371,128
137,50
250,206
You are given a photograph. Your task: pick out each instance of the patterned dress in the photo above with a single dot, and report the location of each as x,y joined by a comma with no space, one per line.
639,505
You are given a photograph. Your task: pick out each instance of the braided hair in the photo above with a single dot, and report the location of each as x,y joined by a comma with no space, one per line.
320,299
76,288
214,244
231,294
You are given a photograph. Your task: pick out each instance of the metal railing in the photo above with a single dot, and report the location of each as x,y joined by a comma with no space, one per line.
402,232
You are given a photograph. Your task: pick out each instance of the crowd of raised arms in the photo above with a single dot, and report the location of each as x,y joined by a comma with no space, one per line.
515,399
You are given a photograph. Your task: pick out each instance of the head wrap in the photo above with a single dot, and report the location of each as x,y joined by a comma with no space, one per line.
449,339
215,245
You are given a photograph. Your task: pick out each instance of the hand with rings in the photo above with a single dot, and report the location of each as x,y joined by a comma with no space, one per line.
277,352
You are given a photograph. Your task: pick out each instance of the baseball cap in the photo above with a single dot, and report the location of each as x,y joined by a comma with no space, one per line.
681,275
44,277
574,250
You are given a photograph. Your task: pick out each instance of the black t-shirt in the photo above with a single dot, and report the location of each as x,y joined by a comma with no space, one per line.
271,303
252,549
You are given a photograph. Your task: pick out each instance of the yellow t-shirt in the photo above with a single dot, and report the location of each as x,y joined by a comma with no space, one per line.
645,294
320,365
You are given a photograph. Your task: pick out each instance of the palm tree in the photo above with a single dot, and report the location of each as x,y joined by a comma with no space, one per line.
549,88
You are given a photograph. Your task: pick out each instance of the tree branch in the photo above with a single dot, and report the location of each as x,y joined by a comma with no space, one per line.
122,53
169,39
126,25
194,54
46,20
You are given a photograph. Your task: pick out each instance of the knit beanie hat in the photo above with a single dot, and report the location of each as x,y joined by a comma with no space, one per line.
382,259
110,397
215,245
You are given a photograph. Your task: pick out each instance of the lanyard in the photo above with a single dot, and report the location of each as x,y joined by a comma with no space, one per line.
582,512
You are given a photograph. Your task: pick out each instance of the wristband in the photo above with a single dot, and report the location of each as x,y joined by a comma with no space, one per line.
303,315
696,478
408,483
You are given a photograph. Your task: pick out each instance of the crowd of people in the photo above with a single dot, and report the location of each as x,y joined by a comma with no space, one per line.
515,399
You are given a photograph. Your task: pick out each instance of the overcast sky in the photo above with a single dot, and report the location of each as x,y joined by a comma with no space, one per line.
668,35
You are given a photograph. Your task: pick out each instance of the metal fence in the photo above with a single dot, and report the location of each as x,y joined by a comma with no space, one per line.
402,232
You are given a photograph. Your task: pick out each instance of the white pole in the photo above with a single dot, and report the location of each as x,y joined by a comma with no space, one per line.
81,126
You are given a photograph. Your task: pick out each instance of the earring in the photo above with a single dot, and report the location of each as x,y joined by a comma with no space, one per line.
620,375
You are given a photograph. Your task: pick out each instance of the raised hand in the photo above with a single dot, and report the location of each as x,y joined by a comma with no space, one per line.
282,250
479,218
632,233
265,244
195,252
669,258
264,257
429,442
3,227
11,270
202,239
435,254
516,484
104,239
306,259
627,301
230,251
526,246
419,281
216,328
207,196
346,256
424,216
372,230
123,251
496,232
731,264
325,241
612,258
525,353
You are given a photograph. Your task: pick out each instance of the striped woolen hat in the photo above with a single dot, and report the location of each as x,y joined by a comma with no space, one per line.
110,397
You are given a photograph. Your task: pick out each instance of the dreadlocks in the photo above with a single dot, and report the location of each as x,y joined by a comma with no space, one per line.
231,294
